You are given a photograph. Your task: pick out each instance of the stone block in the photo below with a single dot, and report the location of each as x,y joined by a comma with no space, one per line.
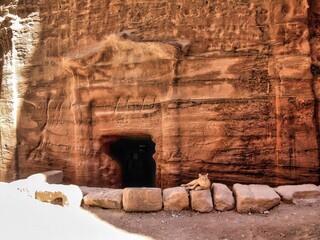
298,193
175,199
222,197
201,200
104,198
255,198
52,177
142,199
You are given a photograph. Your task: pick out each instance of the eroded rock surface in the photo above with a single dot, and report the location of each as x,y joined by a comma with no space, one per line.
221,86
222,197
201,200
104,198
142,199
298,193
255,198
175,199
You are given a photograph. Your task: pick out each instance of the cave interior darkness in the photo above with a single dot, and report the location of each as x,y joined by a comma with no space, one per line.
135,156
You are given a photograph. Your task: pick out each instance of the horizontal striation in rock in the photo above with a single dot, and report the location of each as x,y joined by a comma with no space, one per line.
223,87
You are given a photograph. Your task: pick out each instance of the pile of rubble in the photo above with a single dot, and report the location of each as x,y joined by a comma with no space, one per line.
251,198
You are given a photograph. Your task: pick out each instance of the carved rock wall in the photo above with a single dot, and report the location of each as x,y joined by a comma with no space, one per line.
223,87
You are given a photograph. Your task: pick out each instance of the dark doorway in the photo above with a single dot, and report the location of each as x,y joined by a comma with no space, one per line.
135,158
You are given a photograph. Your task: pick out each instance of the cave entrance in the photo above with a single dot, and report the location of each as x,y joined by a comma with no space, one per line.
135,156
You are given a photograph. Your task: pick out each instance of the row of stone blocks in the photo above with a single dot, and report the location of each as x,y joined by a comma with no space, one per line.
47,187
246,198
154,199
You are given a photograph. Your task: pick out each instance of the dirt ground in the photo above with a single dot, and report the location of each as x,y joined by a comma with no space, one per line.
285,221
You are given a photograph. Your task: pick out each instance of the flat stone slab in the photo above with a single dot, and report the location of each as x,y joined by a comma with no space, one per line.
255,198
52,177
142,199
298,193
201,200
222,197
175,199
104,198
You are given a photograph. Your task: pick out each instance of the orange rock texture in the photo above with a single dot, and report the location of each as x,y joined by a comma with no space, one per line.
227,87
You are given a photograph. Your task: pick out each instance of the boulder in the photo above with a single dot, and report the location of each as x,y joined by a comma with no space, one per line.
64,195
255,198
298,193
104,198
142,199
175,199
222,197
54,176
201,200
35,188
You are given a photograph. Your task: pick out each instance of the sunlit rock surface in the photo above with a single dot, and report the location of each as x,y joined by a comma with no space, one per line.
27,218
225,87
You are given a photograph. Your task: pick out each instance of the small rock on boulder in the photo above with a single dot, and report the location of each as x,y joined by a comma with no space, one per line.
222,197
104,198
201,200
255,198
299,193
175,199
142,199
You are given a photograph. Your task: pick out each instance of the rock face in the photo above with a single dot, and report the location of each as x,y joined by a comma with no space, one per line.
142,199
292,194
255,198
224,87
175,199
201,200
222,197
105,198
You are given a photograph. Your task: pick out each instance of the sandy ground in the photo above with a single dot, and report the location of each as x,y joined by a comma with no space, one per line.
283,222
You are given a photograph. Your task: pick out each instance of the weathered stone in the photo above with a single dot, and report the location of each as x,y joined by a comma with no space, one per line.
105,198
201,200
85,190
54,176
175,199
36,188
298,193
205,85
64,195
25,218
222,197
255,198
142,199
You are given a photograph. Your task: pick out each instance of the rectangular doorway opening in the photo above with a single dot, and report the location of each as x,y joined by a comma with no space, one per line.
135,156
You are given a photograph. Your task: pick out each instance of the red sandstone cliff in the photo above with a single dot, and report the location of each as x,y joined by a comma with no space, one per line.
223,87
